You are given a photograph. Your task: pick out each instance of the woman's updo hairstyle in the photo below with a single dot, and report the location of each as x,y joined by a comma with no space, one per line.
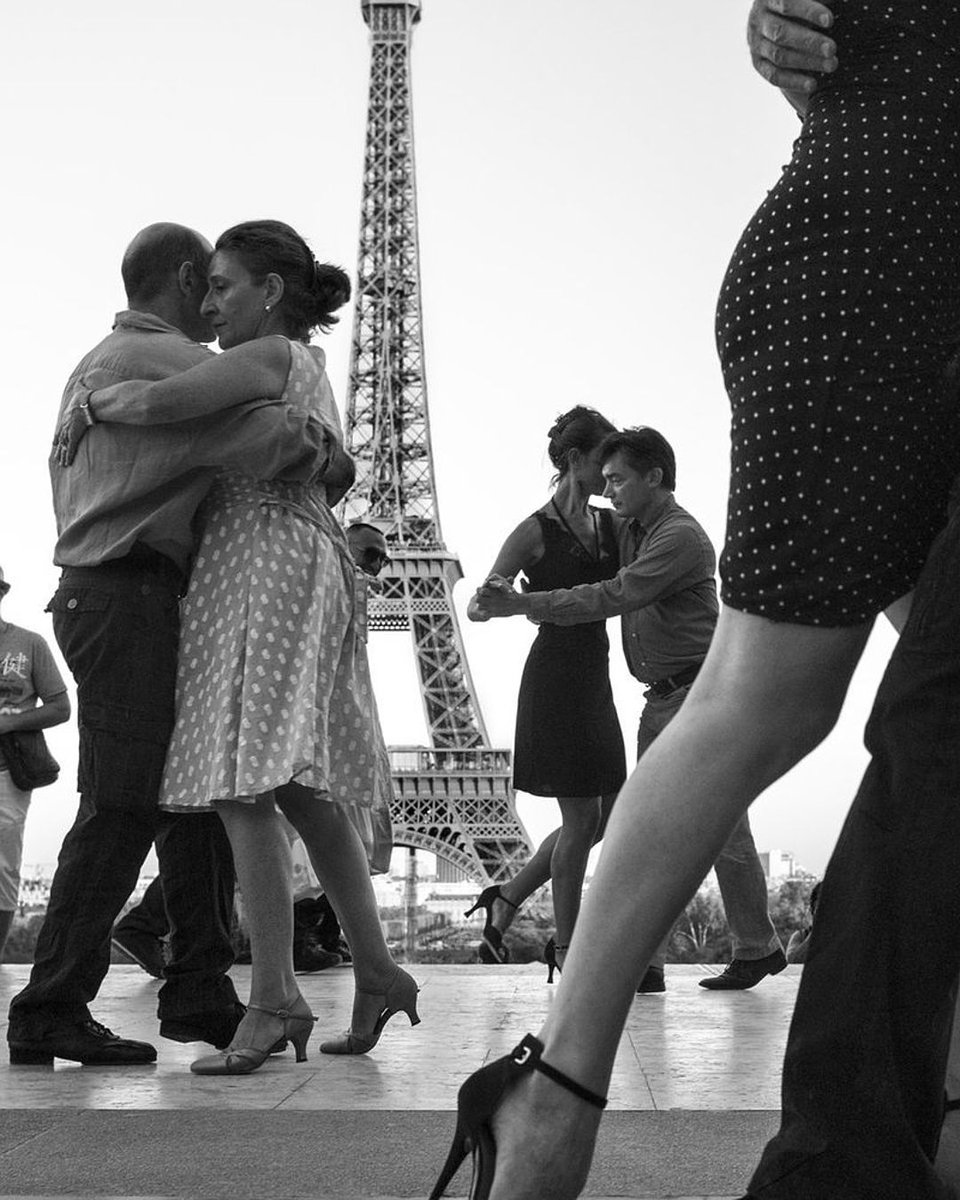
582,429
312,291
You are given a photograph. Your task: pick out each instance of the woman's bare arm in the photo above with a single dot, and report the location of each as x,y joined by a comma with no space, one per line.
256,370
522,549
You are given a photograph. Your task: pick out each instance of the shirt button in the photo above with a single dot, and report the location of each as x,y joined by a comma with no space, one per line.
144,589
72,603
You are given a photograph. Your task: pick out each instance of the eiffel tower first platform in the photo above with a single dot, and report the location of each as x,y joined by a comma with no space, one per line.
452,797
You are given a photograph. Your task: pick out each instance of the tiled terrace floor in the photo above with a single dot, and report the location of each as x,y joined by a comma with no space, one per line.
694,1096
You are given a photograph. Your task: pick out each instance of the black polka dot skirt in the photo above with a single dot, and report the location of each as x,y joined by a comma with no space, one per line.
837,324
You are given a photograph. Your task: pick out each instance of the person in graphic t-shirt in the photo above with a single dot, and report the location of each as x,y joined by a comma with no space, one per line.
28,675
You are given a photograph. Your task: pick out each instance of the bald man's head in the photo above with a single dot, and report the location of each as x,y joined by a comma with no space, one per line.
153,259
164,272
368,547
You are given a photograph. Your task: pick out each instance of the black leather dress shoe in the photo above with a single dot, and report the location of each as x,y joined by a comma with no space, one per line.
743,973
86,1042
652,981
314,958
216,1027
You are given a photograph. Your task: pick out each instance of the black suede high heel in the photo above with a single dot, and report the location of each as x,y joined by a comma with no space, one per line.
492,950
477,1101
550,952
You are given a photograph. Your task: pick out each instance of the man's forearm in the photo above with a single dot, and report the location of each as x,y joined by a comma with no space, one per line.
573,606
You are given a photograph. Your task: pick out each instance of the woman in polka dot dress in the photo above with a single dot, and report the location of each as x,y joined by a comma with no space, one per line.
272,711
837,321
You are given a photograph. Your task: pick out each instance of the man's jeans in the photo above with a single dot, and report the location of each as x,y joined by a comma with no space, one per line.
865,1061
740,877
118,626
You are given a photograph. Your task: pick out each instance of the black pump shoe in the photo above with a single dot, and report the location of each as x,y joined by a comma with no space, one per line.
492,950
478,1100
550,952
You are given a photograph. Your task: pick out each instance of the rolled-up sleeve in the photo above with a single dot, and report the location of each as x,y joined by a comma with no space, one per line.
669,560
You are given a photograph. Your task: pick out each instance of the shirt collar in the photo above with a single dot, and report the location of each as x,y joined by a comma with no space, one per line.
134,319
639,530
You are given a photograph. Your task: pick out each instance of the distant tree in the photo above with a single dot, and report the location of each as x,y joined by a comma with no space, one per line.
22,939
701,934
790,906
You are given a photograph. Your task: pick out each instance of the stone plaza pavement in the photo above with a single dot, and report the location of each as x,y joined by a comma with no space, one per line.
694,1096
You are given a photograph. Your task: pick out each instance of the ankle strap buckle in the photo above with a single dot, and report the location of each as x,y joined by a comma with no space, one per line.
529,1054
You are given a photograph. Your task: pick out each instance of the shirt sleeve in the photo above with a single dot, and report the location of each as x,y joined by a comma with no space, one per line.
670,559
47,680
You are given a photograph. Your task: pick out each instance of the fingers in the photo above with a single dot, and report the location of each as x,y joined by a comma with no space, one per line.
810,11
69,435
787,44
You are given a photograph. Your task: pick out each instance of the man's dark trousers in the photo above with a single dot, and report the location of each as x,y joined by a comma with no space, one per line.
118,627
864,1069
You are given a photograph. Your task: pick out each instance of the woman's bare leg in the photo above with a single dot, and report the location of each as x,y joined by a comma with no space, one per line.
537,870
261,853
581,816
340,862
767,695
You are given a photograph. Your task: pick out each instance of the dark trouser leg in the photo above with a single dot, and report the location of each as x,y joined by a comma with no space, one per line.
98,867
196,867
149,915
743,889
118,629
864,1067
329,932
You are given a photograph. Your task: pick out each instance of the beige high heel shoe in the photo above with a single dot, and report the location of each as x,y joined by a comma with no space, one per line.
244,1060
400,996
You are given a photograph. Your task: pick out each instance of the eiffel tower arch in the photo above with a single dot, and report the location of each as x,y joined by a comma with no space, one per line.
452,796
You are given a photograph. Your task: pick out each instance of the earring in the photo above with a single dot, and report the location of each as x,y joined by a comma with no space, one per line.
267,307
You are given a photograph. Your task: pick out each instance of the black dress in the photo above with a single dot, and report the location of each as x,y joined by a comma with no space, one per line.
568,740
838,317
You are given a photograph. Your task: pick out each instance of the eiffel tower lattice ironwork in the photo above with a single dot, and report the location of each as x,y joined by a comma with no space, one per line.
452,797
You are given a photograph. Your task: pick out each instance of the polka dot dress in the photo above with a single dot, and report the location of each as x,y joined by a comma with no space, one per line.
272,684
836,325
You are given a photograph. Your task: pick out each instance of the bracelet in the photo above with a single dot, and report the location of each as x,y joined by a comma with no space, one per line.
87,412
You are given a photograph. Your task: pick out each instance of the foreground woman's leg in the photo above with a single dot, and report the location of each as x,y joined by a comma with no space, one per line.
768,693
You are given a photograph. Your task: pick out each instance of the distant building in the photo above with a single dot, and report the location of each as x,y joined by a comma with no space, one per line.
780,864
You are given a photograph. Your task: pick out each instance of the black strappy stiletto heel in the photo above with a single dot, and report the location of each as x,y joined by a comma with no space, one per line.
550,952
477,1101
492,950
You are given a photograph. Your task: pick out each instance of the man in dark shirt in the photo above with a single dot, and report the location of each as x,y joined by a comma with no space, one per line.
666,597
124,511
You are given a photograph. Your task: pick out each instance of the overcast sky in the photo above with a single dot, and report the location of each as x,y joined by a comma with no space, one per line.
584,172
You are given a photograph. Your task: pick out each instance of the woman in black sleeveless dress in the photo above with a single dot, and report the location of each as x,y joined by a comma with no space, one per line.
568,743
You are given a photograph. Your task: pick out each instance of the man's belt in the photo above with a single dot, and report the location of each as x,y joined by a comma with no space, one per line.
664,687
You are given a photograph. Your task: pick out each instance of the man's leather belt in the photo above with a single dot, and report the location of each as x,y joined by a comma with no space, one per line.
663,687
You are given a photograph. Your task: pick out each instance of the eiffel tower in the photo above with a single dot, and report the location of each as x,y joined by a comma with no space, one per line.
452,797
